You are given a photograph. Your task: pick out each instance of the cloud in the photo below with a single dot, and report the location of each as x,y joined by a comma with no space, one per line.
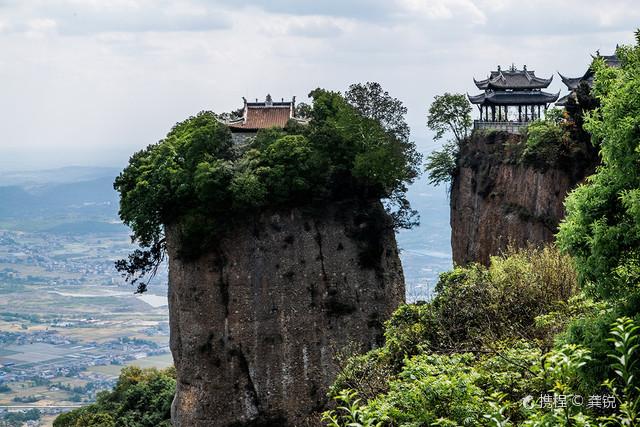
320,27
550,17
366,10
76,18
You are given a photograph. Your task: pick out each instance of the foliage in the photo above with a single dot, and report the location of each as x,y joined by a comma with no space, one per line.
602,226
441,164
141,398
475,309
350,413
543,139
448,113
375,103
198,183
515,386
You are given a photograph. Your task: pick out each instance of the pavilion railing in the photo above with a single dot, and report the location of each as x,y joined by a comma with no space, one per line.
506,126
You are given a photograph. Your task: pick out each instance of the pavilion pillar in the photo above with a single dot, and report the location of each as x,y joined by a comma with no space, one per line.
538,111
519,113
493,113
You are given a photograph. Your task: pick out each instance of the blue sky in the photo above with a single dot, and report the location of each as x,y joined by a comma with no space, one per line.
88,82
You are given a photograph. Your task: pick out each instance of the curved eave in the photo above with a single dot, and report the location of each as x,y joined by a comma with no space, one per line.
481,84
517,98
570,82
476,99
562,102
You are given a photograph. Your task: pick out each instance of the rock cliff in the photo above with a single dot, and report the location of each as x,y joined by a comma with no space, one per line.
498,199
256,323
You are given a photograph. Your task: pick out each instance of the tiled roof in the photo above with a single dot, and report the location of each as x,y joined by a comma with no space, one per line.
514,98
262,117
572,83
513,79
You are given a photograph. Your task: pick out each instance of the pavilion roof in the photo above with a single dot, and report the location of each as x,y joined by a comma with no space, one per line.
572,83
513,79
521,97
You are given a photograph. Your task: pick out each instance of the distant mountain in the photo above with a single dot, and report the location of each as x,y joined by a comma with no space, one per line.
94,197
67,200
68,174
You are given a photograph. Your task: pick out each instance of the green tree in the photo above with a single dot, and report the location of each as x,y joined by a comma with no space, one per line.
449,113
375,103
602,226
141,398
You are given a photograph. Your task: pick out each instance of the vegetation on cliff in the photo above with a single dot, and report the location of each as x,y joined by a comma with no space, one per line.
355,146
561,356
602,228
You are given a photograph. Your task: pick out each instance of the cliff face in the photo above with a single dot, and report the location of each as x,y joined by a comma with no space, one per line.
256,323
496,200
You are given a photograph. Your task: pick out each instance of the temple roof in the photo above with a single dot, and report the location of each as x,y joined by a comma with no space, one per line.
572,83
263,115
513,79
521,97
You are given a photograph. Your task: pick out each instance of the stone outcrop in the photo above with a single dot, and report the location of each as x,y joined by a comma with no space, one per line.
497,200
256,323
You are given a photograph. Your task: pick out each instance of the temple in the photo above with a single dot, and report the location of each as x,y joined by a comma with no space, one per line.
262,115
573,83
511,99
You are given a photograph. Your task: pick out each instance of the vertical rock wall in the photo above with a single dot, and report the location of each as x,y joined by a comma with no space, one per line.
256,323
496,200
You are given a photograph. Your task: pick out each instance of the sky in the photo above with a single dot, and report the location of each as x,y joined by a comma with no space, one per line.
89,82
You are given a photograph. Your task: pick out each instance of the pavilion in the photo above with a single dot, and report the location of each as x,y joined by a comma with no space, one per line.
511,99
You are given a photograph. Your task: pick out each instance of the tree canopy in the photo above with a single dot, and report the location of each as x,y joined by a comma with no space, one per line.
450,113
196,178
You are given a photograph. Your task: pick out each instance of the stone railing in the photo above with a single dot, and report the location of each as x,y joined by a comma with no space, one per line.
511,127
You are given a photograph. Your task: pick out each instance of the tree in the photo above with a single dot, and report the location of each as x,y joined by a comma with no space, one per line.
303,110
441,164
375,103
448,113
602,226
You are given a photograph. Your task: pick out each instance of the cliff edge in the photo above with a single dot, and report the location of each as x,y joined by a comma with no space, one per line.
501,197
256,322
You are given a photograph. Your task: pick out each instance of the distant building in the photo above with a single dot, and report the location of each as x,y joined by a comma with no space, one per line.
573,83
262,115
511,99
